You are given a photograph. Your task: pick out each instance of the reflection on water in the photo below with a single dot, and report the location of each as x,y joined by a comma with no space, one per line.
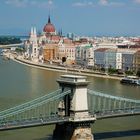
117,134
111,86
46,138
19,83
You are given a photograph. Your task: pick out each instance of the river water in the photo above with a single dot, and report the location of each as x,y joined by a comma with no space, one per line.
20,83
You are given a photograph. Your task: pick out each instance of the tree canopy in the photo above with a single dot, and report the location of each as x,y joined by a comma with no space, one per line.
9,40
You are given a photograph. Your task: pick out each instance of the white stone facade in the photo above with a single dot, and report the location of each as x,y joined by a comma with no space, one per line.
118,60
66,50
32,48
85,55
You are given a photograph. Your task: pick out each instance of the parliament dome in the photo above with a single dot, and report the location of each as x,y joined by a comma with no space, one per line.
49,27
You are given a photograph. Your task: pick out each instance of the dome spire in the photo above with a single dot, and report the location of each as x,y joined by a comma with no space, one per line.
49,20
49,27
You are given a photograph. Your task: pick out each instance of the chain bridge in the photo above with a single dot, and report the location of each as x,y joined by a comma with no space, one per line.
63,106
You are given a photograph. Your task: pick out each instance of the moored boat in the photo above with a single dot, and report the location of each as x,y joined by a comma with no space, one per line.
131,80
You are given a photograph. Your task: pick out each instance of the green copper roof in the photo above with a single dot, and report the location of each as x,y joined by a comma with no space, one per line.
88,46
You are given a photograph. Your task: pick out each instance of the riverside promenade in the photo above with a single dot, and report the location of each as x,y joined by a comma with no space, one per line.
69,70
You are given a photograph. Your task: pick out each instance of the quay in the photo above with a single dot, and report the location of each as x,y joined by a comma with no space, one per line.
84,72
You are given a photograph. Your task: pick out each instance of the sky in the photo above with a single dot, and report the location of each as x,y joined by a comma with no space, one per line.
82,17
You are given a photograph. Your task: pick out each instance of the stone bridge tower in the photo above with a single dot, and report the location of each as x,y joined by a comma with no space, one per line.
75,107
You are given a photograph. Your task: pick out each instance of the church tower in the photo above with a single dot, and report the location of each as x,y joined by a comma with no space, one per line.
34,45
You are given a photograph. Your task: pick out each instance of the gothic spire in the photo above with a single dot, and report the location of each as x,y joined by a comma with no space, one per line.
32,31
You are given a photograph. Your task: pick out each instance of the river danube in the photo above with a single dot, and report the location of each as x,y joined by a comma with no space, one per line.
20,83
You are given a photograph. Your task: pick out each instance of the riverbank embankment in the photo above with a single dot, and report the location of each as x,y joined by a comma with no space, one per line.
67,70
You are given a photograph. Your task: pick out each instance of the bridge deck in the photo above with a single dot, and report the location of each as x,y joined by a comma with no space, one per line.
45,110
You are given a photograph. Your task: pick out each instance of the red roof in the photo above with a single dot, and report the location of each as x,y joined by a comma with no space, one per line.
49,28
67,40
134,46
55,37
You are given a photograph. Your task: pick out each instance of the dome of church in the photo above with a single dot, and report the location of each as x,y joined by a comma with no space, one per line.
49,27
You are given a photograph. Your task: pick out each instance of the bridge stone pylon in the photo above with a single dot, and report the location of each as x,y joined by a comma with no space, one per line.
75,107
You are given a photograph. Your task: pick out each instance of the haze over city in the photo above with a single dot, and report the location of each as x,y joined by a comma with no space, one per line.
69,69
82,17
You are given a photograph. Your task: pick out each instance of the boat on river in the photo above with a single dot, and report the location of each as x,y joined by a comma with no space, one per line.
130,80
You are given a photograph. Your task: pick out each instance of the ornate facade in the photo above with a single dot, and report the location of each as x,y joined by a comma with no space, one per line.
33,50
49,46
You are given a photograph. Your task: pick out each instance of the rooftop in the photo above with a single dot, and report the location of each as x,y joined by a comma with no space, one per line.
101,49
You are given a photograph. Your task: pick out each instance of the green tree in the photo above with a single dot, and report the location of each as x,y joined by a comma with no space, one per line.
20,49
112,70
138,73
9,40
128,72
103,69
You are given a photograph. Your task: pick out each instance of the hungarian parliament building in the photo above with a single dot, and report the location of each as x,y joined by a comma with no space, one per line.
101,52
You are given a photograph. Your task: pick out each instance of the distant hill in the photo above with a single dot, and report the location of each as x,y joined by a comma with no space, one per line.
5,40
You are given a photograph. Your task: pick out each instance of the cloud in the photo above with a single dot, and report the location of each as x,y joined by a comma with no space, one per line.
103,2
100,2
137,1
17,3
50,2
110,3
84,4
25,3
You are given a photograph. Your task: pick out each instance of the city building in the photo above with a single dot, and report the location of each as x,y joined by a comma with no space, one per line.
66,51
99,57
121,53
84,55
137,61
50,33
50,51
33,49
57,47
49,28
106,45
110,58
118,60
127,59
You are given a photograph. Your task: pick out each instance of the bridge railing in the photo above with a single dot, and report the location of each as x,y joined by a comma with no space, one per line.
41,108
100,102
30,103
45,109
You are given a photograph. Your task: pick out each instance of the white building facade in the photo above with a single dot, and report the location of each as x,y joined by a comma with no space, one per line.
32,47
85,55
119,60
66,50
